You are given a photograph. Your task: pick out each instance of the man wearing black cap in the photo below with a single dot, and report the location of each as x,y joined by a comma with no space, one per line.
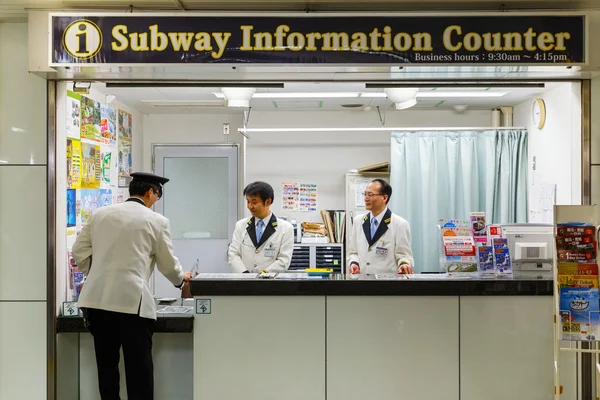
117,251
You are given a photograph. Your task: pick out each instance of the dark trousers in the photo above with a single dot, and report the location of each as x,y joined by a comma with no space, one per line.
111,330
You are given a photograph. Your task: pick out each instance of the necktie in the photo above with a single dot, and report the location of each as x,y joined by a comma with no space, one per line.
259,230
373,227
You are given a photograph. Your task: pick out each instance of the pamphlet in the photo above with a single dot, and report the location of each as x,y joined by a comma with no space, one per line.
502,260
580,314
485,259
460,255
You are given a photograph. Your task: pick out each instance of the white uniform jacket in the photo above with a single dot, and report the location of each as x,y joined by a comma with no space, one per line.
273,253
117,251
389,248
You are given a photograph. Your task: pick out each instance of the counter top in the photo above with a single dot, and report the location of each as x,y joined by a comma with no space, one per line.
294,284
165,323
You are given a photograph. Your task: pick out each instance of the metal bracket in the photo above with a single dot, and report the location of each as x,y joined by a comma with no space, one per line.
382,118
246,117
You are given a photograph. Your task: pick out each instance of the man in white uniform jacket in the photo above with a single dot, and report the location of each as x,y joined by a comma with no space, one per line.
262,243
117,251
380,240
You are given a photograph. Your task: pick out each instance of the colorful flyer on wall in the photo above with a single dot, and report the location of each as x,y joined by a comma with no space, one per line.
109,166
291,194
106,197
73,164
90,200
90,119
307,197
71,208
91,166
125,163
73,128
125,125
108,128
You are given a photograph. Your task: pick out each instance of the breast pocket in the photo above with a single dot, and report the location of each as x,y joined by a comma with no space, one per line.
247,242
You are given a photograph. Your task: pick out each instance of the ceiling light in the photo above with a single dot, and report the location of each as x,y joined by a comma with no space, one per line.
82,87
238,97
3,162
402,98
460,107
442,94
183,103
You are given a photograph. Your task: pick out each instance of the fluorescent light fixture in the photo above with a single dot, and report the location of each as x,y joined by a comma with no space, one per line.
442,94
371,95
15,129
343,95
306,95
267,130
3,162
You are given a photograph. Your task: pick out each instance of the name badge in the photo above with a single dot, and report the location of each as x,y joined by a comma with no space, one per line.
382,251
270,252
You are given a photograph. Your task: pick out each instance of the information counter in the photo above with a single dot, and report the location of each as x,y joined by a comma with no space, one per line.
172,352
381,337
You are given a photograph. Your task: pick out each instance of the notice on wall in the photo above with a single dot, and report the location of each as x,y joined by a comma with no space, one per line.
299,196
92,199
109,167
125,125
73,164
290,196
125,163
90,119
108,125
360,186
91,166
542,200
73,128
308,197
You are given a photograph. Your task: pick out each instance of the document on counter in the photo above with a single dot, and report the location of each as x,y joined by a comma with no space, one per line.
293,276
225,276
175,310
436,277
390,277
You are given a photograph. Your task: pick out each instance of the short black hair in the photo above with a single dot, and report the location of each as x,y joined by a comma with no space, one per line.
140,188
262,189
385,188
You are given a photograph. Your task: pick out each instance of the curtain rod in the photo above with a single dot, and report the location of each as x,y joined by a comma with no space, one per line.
251,130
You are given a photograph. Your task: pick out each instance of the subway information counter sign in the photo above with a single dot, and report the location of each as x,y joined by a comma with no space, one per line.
189,39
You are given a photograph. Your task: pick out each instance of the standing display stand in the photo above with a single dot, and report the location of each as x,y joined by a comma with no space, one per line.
576,299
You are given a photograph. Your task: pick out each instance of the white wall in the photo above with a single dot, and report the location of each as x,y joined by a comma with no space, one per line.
23,219
325,157
557,146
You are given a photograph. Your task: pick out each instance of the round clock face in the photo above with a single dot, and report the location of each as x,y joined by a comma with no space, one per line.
536,113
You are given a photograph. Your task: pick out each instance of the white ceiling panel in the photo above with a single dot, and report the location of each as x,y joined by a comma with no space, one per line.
202,100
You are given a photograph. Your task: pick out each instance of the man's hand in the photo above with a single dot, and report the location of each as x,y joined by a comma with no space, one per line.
405,269
354,269
187,276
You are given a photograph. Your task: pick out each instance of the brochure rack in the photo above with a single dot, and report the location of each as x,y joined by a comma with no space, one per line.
574,315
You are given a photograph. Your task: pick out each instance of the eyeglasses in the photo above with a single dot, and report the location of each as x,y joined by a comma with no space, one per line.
369,195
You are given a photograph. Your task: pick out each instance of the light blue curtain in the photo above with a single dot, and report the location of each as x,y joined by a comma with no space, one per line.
449,174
